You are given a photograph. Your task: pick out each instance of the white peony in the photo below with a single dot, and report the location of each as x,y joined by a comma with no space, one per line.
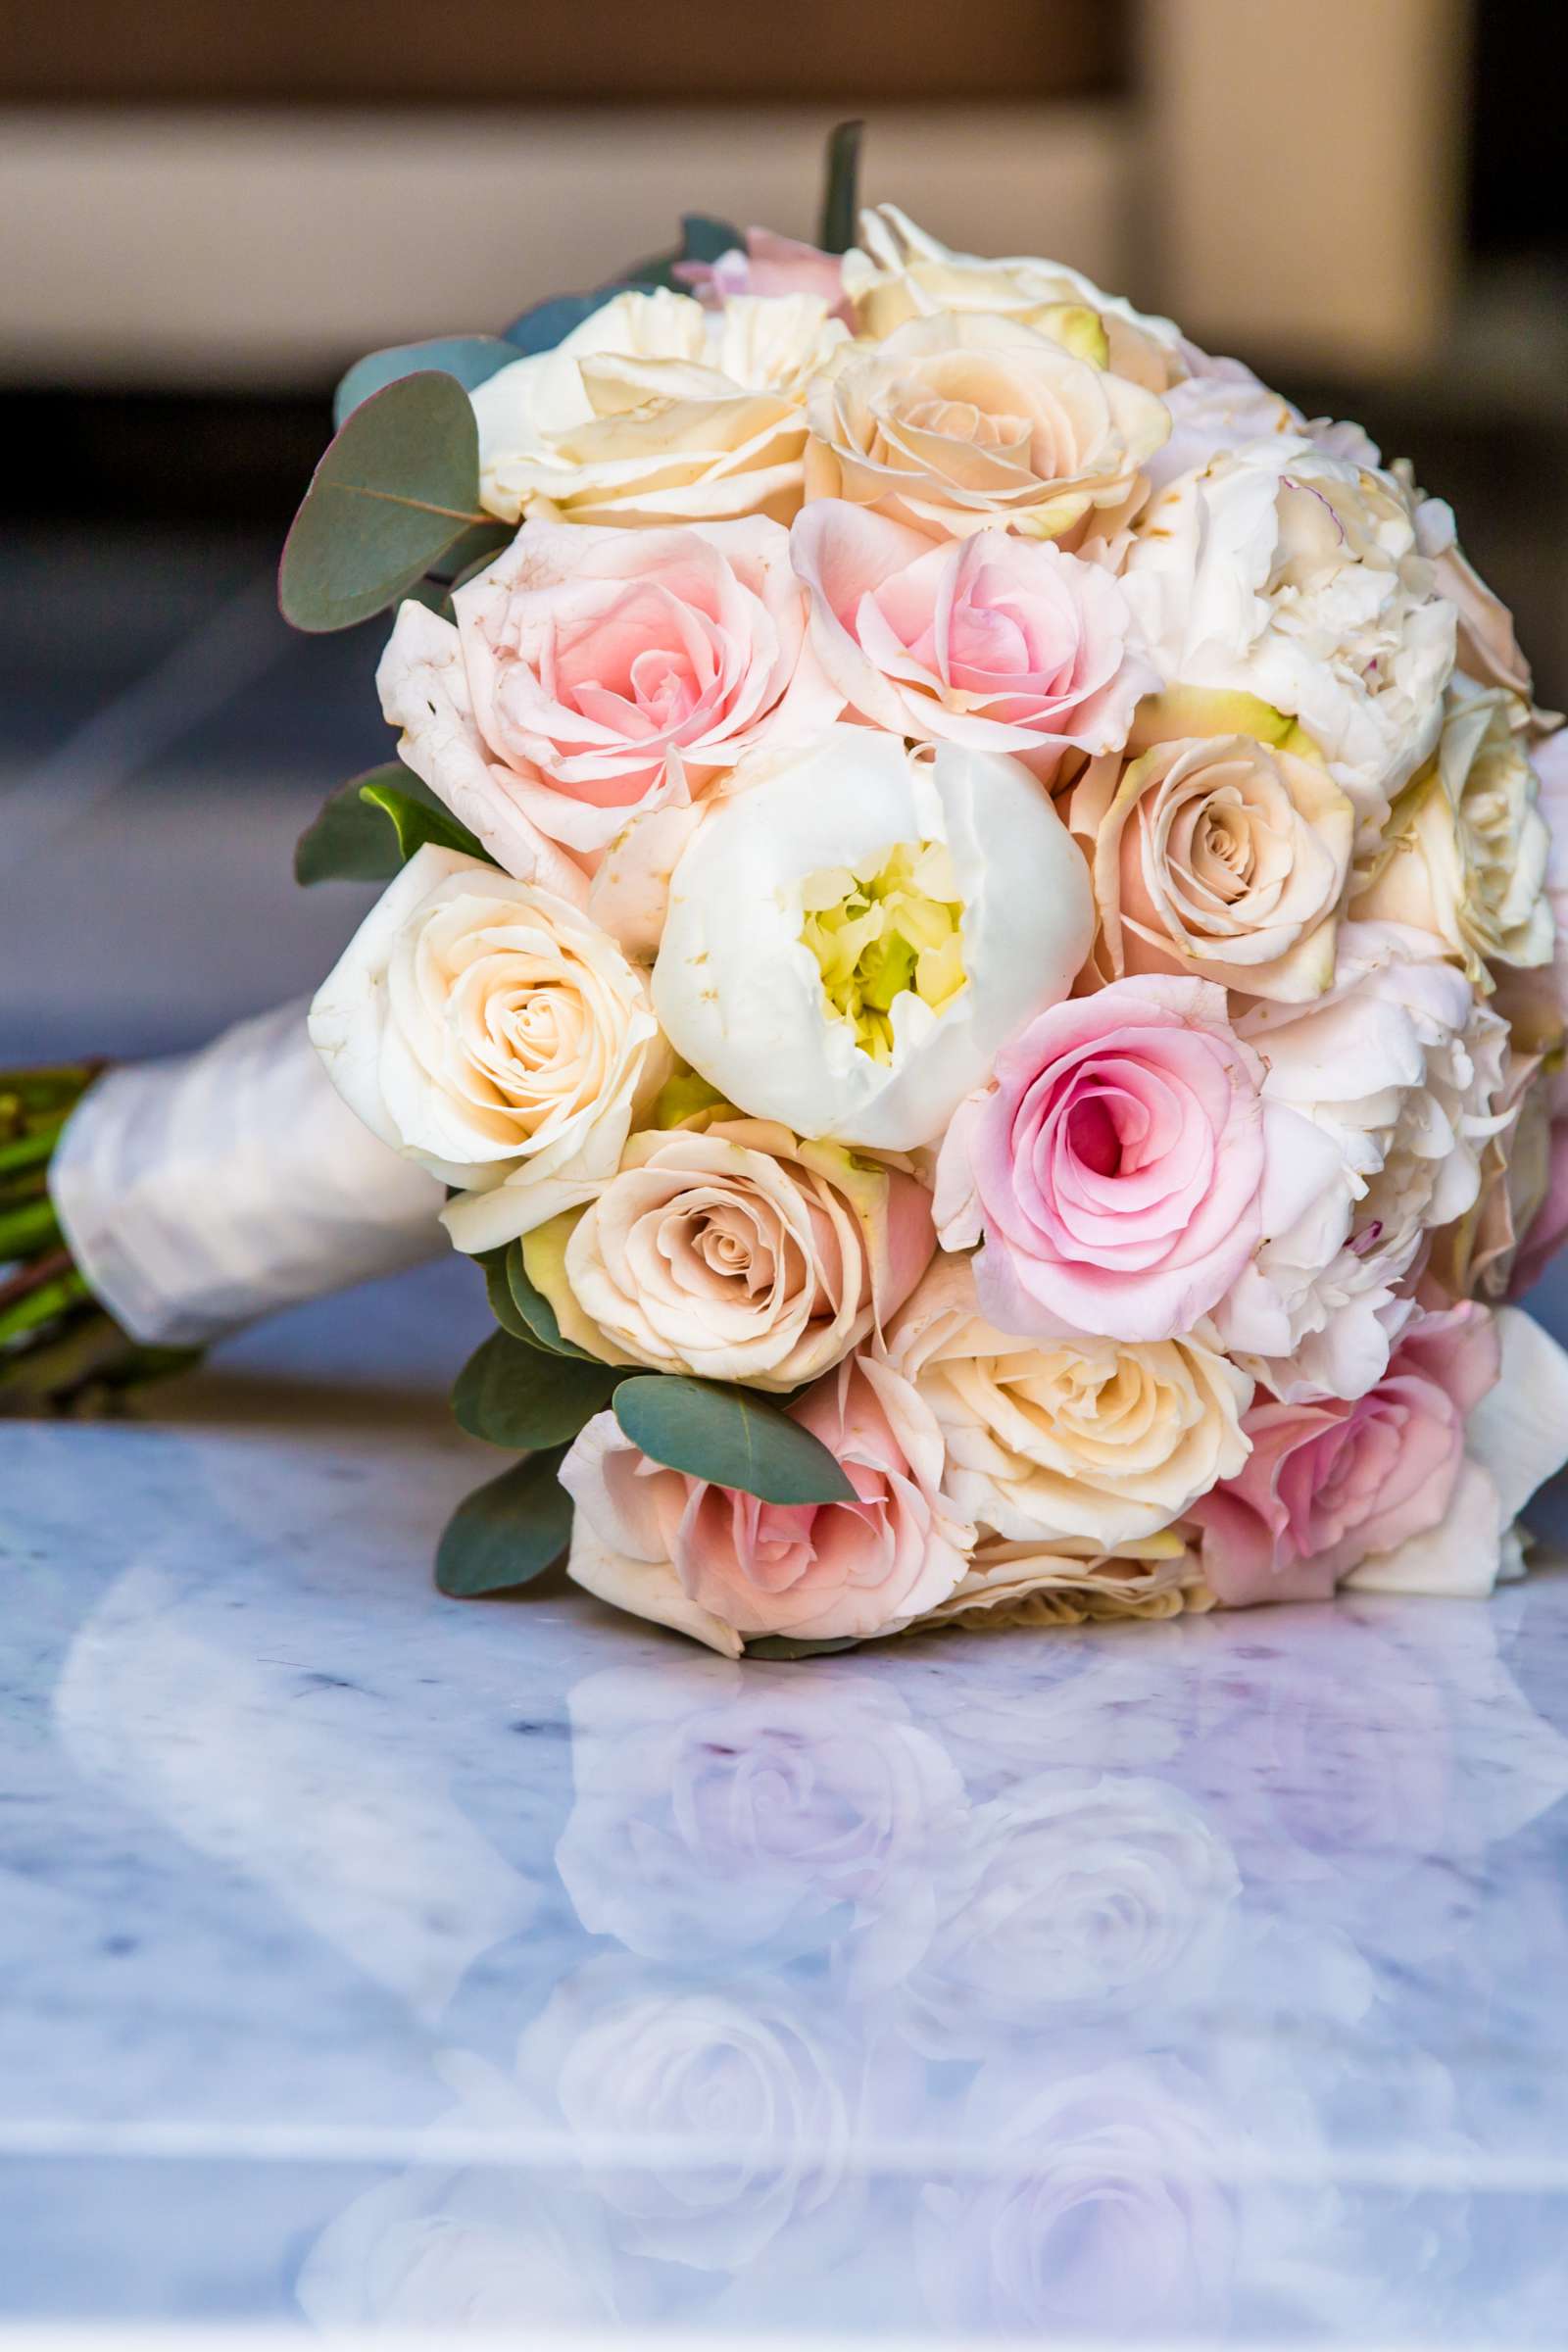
488,1030
1379,1102
1295,575
854,935
656,410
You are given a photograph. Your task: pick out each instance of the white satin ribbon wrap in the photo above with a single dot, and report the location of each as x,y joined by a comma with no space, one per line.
200,1193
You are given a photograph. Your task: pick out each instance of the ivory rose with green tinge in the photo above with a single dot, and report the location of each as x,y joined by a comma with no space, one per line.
733,1250
1466,849
658,410
491,1032
857,929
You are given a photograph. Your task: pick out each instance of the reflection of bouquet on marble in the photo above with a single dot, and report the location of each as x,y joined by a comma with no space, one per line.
970,932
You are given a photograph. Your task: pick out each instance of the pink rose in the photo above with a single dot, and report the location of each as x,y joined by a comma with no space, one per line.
1329,1484
770,264
1005,644
722,1566
595,675
1113,1170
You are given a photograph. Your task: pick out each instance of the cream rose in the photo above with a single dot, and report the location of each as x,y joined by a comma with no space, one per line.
737,1252
1489,650
899,273
959,423
1466,849
656,410
489,1031
1102,1439
1072,1583
1225,856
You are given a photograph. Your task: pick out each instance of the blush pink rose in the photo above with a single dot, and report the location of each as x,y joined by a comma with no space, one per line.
1009,645
770,264
725,1567
1329,1484
609,674
1114,1169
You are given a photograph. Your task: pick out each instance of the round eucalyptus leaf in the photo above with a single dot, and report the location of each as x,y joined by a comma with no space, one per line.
729,1436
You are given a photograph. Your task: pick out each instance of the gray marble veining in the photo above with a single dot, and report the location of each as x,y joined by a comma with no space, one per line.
373,1961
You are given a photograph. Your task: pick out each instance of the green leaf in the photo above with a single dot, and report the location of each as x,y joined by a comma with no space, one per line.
840,188
729,1436
420,817
786,1648
511,1394
535,1312
473,552
550,322
470,358
361,832
397,487
493,1264
506,1533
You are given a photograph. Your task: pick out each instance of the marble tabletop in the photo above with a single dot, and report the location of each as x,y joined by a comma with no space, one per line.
369,1961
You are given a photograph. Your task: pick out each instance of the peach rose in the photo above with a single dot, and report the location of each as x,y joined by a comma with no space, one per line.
961,424
1221,856
724,1567
605,675
737,1252
1005,644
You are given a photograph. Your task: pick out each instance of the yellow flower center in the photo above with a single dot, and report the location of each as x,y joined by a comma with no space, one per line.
879,936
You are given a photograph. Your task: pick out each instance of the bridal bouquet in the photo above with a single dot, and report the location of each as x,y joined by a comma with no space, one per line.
969,944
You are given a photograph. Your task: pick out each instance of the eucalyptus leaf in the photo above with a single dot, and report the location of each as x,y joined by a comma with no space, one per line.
841,188
787,1648
511,1394
398,485
470,358
471,551
550,322
507,1533
499,1292
360,834
729,1436
535,1311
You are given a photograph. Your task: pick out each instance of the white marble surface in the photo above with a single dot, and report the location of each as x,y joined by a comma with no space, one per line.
374,1961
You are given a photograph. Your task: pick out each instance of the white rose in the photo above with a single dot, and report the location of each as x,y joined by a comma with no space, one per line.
735,1251
961,424
1284,572
1102,1439
858,929
1466,849
899,273
1379,1102
656,410
489,1031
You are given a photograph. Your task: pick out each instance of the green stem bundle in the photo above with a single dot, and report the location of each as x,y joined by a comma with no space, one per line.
60,1350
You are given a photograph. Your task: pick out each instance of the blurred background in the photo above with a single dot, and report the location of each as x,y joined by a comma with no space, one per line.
206,211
